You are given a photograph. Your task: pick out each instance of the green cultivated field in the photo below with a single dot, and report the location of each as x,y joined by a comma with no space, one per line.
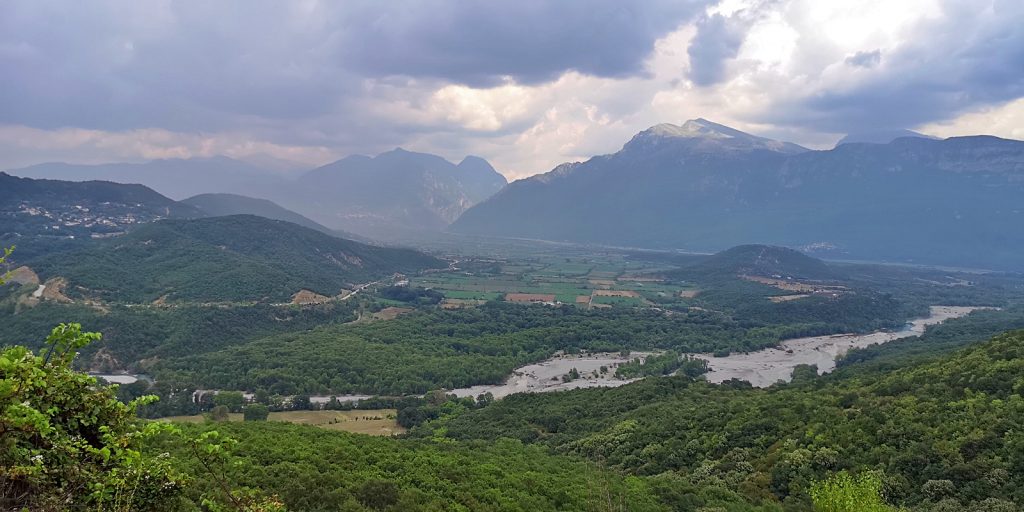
565,278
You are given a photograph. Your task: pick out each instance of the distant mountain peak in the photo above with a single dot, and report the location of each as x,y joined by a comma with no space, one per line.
881,136
706,136
397,189
474,160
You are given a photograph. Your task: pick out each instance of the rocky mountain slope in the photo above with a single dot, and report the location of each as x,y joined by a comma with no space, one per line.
702,186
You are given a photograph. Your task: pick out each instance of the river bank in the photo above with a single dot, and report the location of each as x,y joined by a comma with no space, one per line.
766,367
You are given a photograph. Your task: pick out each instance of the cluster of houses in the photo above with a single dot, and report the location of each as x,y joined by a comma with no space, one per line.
102,220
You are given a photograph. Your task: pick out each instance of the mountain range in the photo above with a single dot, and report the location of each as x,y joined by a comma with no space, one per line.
704,186
382,196
219,205
177,178
396,190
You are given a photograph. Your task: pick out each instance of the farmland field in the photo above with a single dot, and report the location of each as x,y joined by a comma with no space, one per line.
374,422
613,278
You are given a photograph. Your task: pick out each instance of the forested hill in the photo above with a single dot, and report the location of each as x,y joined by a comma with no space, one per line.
36,214
763,261
232,258
217,205
945,435
15,190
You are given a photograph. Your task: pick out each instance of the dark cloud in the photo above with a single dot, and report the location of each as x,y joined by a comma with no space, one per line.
192,66
967,59
865,59
210,65
343,74
478,43
717,41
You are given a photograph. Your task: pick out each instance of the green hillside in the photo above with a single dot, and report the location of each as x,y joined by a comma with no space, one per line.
943,430
762,261
43,216
313,469
234,258
219,205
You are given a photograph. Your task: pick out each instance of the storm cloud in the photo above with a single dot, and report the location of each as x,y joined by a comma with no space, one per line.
179,65
526,83
717,41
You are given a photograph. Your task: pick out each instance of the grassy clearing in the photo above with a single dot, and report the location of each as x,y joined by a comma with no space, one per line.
374,422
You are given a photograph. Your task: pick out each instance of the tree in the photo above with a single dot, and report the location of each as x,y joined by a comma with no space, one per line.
805,373
301,403
261,397
67,443
233,400
219,413
3,259
378,494
571,376
256,412
848,493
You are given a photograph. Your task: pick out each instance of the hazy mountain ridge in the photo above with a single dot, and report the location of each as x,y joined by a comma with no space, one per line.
219,205
953,201
177,178
883,136
396,190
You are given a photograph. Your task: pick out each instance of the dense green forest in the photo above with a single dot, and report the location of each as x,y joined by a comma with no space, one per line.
135,336
234,258
69,445
310,469
944,431
436,348
760,260
939,341
931,423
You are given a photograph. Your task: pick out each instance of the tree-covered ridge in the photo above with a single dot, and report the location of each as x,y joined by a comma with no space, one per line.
125,199
760,260
219,205
136,336
946,430
233,258
437,348
42,216
312,469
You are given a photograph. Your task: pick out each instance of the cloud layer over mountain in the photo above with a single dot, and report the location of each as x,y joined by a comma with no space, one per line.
526,84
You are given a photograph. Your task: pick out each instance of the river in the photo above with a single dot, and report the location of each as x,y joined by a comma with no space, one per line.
766,367
547,375
761,368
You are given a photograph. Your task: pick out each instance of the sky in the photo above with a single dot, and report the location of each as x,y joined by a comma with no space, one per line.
526,84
